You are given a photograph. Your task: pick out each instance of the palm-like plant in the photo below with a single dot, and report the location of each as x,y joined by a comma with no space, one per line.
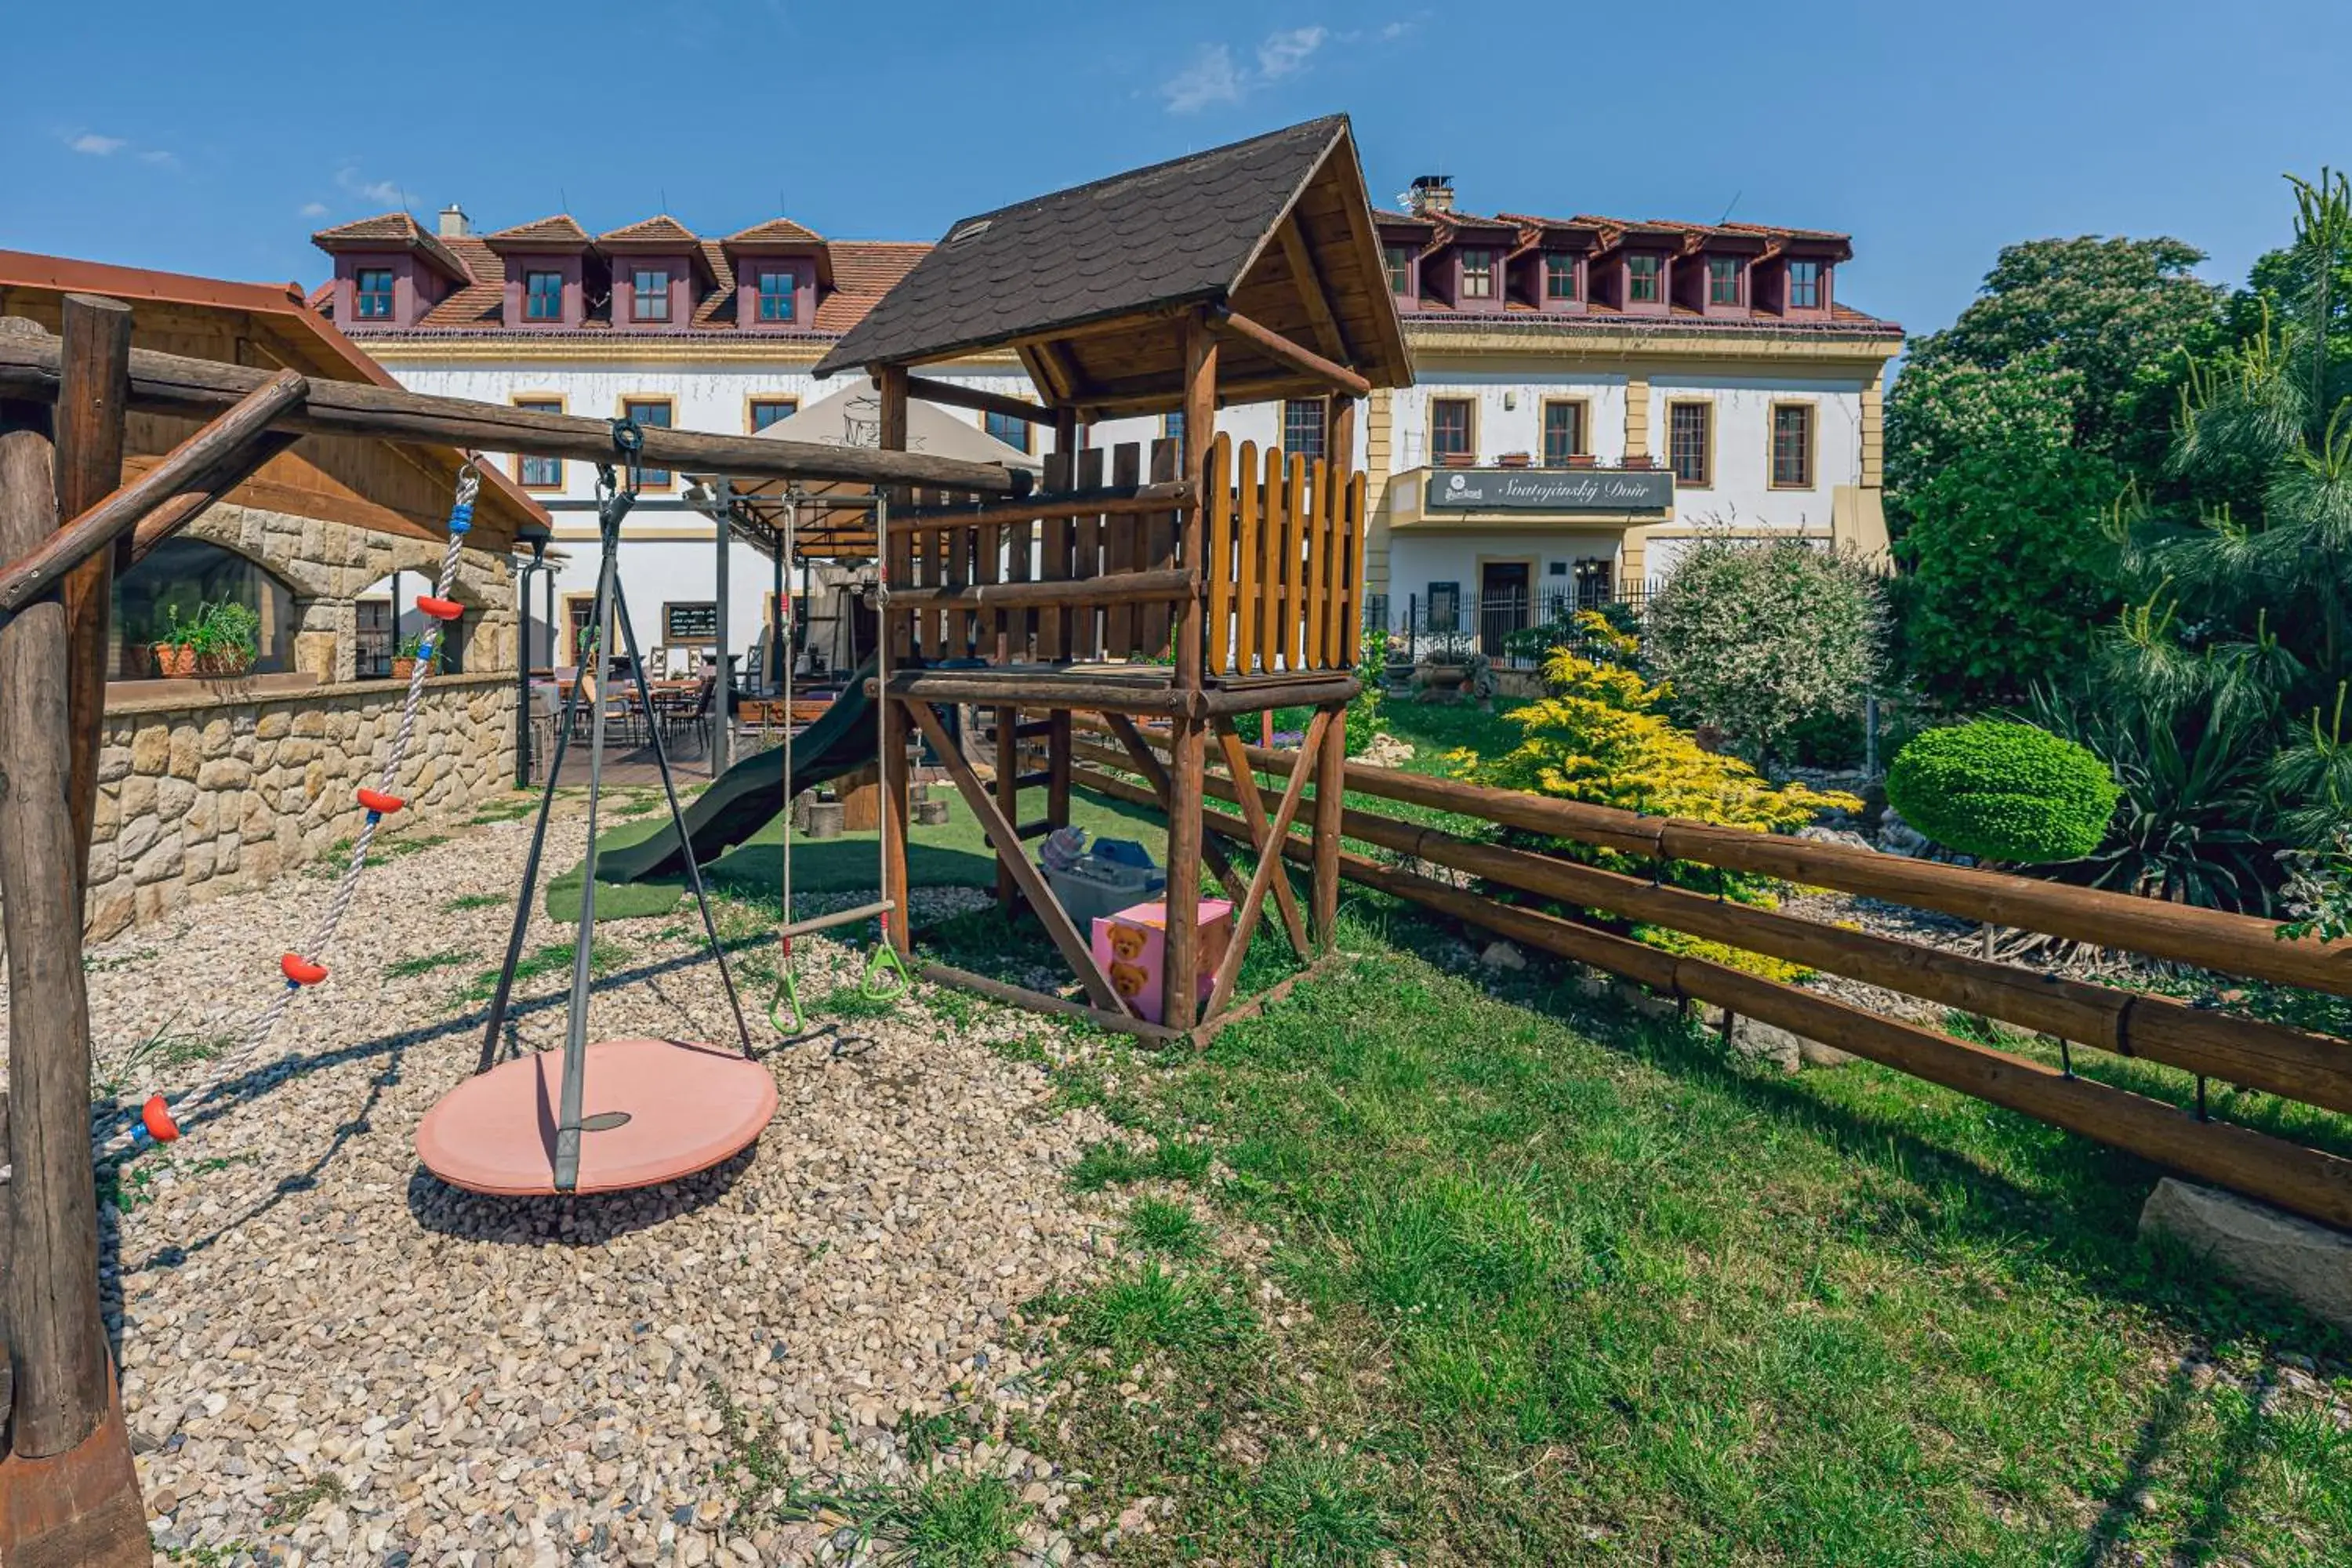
2224,684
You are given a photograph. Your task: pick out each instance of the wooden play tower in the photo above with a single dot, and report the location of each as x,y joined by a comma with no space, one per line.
1182,588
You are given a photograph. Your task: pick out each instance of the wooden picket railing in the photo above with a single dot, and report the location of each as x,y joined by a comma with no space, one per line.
1091,567
1286,561
2294,1063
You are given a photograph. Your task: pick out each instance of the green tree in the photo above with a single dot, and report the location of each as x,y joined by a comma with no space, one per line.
2240,622
2093,336
2007,561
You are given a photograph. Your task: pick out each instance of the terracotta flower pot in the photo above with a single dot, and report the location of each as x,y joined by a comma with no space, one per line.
174,661
230,662
402,668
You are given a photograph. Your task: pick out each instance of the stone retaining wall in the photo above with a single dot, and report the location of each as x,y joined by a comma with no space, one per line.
201,795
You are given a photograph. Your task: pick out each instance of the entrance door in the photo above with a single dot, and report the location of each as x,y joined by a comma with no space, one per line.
1505,589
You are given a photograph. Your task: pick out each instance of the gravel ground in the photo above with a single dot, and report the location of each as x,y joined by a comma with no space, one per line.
328,1356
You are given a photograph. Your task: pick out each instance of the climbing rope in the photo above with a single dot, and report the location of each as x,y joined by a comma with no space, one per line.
156,1117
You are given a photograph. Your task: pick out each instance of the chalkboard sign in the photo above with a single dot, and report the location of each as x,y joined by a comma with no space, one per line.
691,623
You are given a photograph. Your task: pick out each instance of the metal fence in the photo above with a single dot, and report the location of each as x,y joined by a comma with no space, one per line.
1517,630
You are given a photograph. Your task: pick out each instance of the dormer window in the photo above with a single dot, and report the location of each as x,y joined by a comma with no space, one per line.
1804,285
374,294
779,295
1642,274
542,296
1723,280
650,286
1559,277
1477,275
1399,267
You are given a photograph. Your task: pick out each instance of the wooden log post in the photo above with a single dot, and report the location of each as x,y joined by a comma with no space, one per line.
67,1491
1331,795
93,411
1179,993
1008,798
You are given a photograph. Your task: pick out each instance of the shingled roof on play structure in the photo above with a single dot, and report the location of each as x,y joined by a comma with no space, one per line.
1178,233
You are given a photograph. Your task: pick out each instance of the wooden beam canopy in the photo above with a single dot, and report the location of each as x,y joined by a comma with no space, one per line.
201,389
976,398
1300,259
194,465
1275,346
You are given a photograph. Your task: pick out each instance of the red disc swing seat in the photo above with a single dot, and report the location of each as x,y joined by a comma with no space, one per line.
653,1111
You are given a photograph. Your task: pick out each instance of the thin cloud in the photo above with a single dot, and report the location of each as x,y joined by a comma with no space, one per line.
1211,78
92,144
384,192
159,158
1214,76
1284,52
314,209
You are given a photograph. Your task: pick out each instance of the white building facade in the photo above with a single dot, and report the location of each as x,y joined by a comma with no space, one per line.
1590,394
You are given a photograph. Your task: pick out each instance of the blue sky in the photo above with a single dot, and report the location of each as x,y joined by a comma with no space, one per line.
215,139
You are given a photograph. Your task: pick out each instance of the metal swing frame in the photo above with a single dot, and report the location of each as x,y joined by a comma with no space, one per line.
613,504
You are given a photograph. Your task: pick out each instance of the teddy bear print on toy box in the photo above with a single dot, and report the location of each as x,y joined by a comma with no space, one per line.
1131,947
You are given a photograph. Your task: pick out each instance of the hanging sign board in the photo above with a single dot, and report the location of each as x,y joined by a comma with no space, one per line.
1550,489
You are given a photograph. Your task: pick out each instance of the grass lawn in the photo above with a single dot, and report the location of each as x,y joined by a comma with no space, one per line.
953,855
1558,1285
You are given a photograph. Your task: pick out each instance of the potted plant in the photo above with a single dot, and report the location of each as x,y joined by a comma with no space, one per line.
220,639
404,657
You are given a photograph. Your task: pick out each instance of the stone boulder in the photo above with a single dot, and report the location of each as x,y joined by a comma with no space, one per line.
2308,1264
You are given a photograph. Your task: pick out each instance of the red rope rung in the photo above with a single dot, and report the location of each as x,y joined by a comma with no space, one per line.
383,805
440,610
300,970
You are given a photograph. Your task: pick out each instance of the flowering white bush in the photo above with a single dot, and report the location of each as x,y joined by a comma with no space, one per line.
1753,637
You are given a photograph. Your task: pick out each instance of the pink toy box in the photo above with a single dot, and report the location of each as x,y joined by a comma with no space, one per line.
1132,945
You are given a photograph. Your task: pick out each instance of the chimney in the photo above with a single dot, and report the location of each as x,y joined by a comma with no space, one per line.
453,222
1431,193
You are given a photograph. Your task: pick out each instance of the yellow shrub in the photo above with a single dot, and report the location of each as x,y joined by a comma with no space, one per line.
1599,739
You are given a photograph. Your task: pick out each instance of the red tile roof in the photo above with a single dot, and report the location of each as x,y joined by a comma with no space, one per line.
663,229
775,231
860,271
398,229
559,229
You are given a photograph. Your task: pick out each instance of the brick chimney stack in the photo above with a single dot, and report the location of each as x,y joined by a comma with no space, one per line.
1431,193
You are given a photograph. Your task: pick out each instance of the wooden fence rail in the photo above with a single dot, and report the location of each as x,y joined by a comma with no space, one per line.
2209,939
2310,1068
2305,1181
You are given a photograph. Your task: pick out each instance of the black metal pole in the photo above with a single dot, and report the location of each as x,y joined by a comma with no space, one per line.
777,652
722,697
522,679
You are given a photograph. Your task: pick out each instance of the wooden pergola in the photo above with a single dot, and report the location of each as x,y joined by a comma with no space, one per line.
71,513
1184,587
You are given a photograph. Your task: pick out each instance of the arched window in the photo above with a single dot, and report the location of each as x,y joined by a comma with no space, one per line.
182,576
390,625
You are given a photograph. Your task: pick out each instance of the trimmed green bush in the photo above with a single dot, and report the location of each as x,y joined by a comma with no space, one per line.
2003,792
